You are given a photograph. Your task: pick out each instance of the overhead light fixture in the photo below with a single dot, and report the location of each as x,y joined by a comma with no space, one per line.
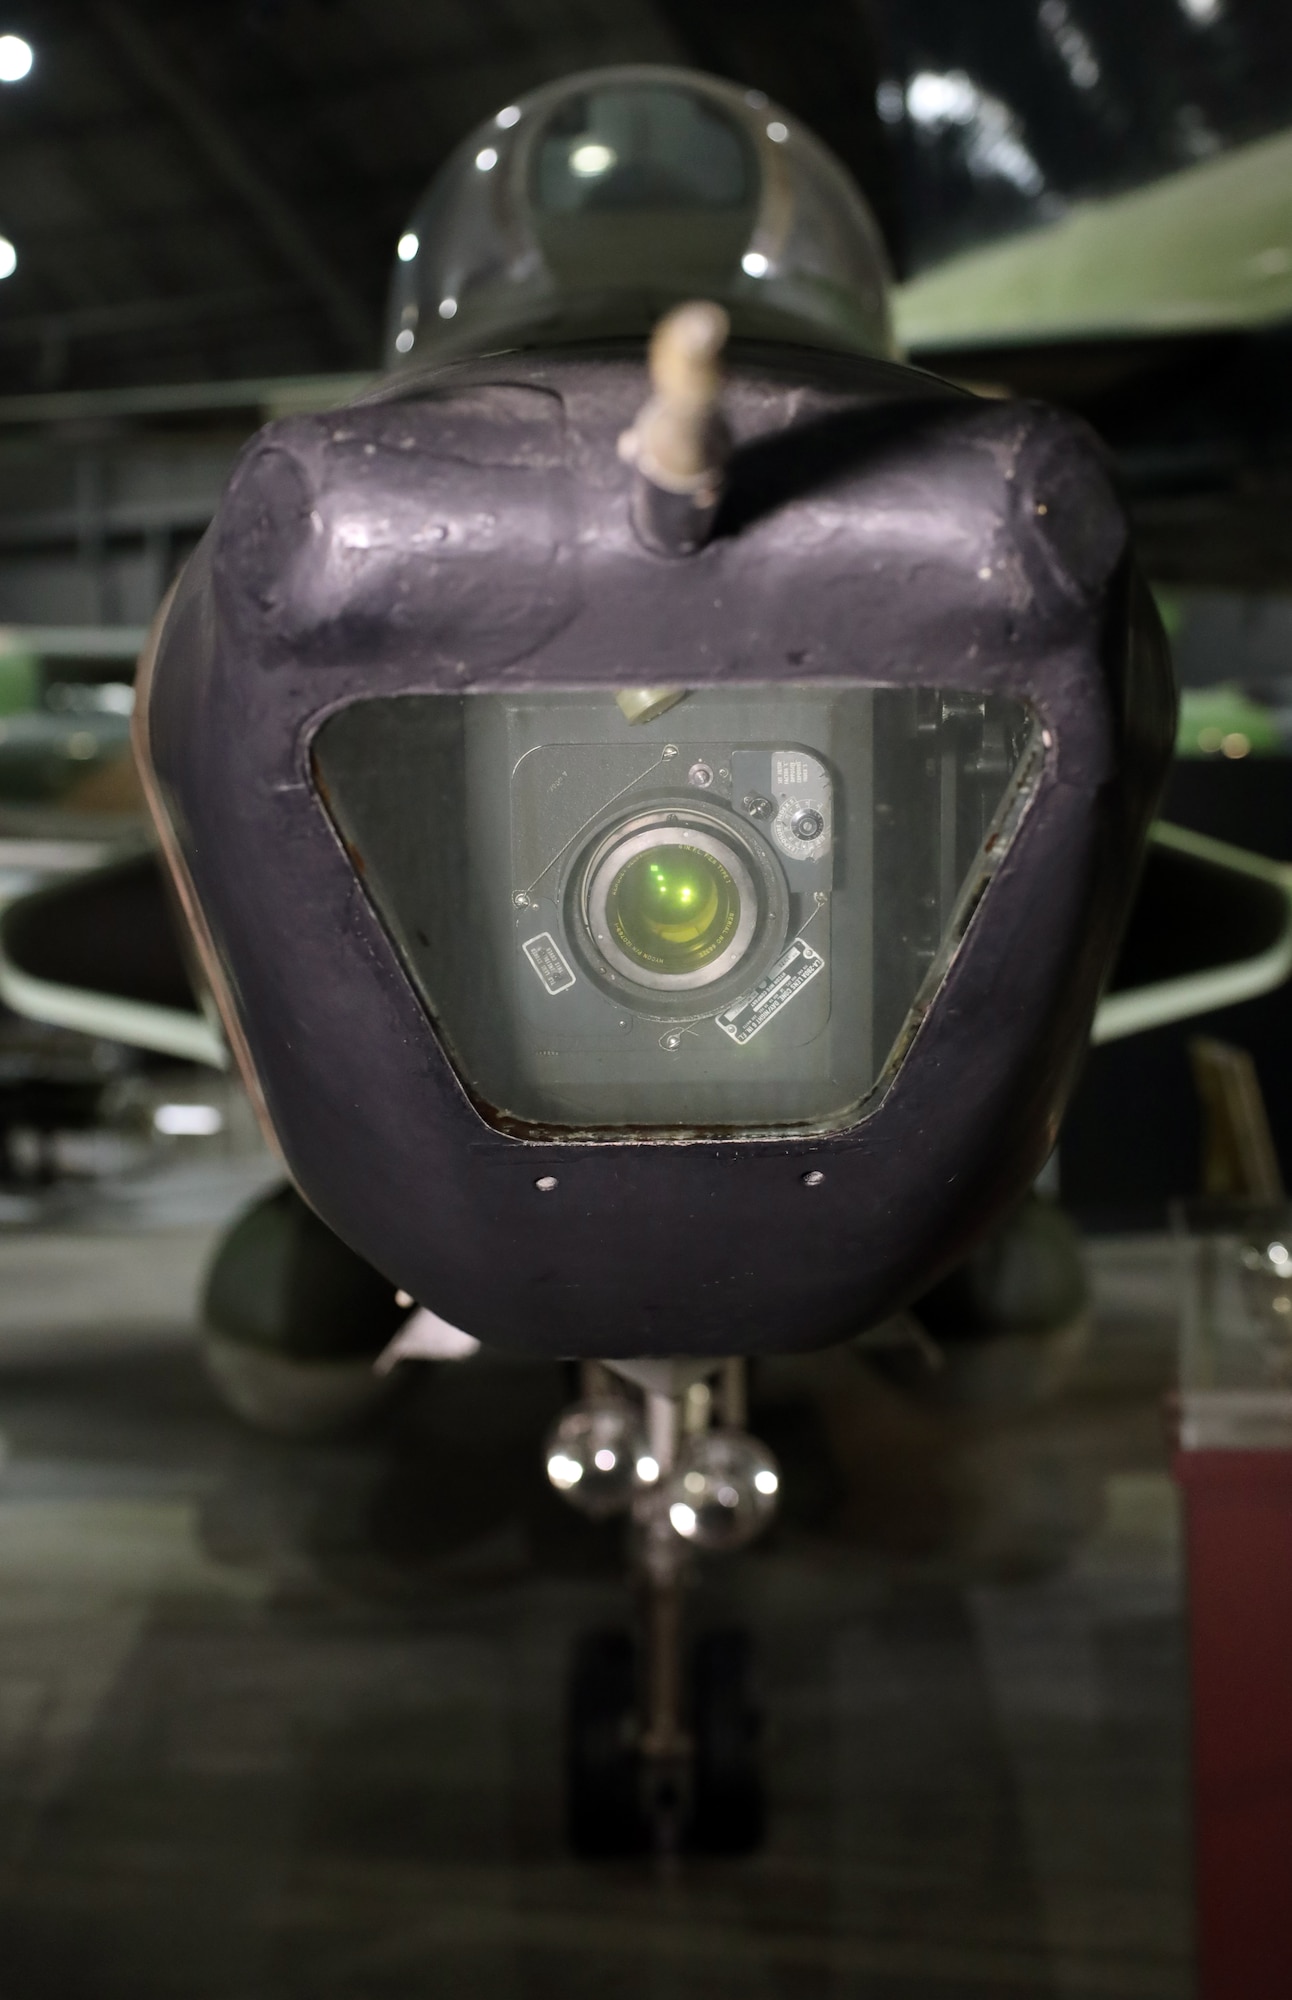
508,116
188,1121
486,159
591,158
407,247
994,148
16,58
8,258
754,264
890,101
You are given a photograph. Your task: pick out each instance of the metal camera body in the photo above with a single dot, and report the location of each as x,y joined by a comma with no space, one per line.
399,643
564,804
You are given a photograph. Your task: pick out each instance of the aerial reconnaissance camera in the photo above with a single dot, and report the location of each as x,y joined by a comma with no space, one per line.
657,846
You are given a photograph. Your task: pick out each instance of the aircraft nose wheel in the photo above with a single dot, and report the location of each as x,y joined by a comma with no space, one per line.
605,1803
662,1740
728,1813
620,1799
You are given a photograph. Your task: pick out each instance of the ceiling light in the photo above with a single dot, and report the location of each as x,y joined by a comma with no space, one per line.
404,340
937,99
592,158
754,264
777,132
890,101
407,247
447,308
992,137
508,116
15,58
8,258
486,159
188,1121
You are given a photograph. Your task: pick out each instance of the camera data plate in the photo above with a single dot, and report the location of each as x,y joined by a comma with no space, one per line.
548,961
791,973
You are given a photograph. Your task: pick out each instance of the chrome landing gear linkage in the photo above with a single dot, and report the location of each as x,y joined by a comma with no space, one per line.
662,1747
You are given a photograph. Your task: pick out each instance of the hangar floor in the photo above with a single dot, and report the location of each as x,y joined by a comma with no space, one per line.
286,1721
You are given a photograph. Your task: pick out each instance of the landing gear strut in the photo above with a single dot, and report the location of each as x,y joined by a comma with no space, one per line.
662,1737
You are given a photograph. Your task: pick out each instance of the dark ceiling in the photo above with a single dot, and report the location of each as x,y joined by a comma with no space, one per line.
214,189
211,190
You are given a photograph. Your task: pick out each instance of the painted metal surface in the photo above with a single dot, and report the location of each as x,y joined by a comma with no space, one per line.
470,530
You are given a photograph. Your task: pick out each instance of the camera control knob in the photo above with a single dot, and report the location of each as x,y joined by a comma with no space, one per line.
758,807
807,823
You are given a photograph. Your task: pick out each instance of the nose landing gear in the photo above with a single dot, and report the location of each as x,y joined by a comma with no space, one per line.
662,1737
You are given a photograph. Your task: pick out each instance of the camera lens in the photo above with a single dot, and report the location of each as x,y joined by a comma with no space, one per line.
673,909
677,900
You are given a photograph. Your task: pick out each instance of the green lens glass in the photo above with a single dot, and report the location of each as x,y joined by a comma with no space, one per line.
673,909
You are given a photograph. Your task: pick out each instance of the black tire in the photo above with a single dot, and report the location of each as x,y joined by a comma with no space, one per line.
604,1805
728,1809
281,1282
1027,1277
293,1321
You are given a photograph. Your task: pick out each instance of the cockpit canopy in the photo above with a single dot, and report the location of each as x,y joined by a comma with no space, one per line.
588,208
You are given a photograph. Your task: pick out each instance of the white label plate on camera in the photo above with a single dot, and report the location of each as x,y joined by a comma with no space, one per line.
548,961
791,973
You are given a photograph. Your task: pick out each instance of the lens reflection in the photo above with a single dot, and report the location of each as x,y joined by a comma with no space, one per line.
673,908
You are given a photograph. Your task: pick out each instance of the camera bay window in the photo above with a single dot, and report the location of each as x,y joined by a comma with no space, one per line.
721,918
